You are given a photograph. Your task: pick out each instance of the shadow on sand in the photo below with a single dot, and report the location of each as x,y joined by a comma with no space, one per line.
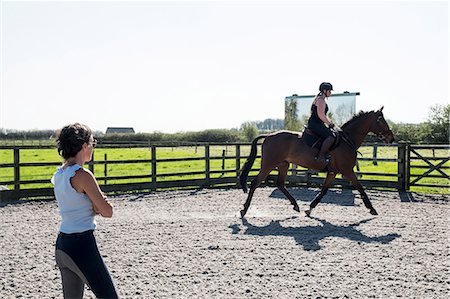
344,197
12,202
310,236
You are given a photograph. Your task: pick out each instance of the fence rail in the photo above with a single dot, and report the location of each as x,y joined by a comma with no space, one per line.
415,164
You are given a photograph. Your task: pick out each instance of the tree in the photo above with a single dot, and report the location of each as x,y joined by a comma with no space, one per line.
249,130
341,114
292,122
435,130
270,124
439,123
404,132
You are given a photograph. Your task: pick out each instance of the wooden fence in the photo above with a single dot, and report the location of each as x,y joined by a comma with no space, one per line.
426,166
402,177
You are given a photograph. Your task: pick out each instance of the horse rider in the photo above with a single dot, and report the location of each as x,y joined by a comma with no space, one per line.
319,122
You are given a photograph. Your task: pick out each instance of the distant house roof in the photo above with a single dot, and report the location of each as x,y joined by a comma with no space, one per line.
111,130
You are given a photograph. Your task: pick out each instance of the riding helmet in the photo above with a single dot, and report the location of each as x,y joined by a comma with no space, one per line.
325,86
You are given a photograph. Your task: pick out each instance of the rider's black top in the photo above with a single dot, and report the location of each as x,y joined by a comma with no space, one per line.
317,125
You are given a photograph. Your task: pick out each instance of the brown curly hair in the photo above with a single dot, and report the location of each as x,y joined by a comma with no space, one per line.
70,139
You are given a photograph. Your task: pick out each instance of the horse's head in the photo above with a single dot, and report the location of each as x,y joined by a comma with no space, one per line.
381,128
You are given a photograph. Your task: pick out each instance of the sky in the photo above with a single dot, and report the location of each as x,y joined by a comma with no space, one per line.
177,66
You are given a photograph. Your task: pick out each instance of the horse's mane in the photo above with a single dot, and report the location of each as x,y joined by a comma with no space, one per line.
355,118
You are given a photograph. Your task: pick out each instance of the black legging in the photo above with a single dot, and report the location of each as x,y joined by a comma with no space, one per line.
80,263
320,129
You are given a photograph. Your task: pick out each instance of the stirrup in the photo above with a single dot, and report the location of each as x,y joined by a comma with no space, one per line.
325,159
325,162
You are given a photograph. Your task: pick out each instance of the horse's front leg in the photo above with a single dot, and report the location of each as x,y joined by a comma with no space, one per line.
326,185
353,179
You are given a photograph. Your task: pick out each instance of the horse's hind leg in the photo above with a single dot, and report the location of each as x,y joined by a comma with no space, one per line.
263,173
326,185
282,173
354,180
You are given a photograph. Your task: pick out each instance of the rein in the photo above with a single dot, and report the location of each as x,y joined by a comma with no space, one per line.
347,139
346,136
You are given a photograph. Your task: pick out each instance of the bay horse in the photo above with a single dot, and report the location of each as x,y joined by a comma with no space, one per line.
284,147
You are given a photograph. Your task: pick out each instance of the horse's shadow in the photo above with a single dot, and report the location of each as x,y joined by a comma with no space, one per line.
344,197
310,236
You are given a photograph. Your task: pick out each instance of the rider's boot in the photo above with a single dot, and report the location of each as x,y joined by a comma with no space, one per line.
327,143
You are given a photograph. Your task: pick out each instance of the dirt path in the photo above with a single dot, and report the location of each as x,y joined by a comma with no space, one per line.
192,244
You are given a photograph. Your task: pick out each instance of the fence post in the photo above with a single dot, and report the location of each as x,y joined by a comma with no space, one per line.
91,164
238,159
374,155
207,166
308,177
153,148
294,169
401,158
223,161
16,171
407,164
358,168
106,169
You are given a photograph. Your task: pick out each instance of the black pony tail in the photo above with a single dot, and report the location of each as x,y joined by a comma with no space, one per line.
248,164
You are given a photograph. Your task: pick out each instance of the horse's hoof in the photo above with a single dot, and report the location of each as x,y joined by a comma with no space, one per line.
243,213
373,212
297,209
308,213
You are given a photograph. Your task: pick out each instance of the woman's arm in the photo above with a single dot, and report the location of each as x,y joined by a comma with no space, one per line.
96,210
84,181
320,103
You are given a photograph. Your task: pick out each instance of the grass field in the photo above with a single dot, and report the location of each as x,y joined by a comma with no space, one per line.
179,167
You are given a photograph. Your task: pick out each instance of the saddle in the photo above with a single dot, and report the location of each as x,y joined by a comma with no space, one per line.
315,141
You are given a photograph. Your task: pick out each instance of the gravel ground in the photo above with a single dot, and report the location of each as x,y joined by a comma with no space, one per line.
192,244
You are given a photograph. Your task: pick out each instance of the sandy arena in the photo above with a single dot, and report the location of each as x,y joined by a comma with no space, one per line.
192,244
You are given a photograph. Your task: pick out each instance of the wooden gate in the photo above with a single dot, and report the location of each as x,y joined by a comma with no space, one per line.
428,166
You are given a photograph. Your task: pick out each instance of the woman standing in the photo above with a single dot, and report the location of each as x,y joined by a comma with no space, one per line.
319,122
79,199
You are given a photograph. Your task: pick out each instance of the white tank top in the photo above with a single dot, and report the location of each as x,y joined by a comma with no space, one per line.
75,208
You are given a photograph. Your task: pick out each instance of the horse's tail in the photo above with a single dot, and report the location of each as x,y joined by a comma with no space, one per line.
248,164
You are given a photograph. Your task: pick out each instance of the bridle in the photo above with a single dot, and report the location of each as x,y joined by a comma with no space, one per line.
381,134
